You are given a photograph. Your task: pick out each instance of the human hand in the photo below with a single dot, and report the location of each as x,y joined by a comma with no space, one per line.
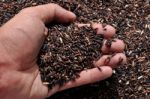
20,41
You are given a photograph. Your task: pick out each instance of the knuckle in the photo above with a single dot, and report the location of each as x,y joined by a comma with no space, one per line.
28,11
25,10
3,82
121,54
53,4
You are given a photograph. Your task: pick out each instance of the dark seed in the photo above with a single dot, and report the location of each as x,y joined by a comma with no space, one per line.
129,17
107,60
108,43
69,56
104,25
105,29
99,68
120,60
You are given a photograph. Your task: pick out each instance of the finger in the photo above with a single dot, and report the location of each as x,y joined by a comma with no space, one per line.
114,45
111,60
51,12
86,77
89,76
107,30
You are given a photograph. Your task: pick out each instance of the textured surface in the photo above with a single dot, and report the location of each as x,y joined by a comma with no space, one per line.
66,52
132,20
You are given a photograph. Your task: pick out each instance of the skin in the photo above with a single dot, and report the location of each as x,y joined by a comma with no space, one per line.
20,41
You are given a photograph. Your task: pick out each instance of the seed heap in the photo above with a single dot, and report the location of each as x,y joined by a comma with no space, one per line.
66,52
132,20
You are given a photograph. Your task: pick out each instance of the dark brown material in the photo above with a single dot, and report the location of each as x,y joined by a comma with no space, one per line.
108,43
99,68
132,19
66,52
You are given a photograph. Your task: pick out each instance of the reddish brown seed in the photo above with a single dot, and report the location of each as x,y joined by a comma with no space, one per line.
108,43
113,40
105,29
107,60
120,60
104,25
99,68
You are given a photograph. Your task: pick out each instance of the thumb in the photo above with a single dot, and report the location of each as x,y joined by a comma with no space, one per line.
51,12
86,77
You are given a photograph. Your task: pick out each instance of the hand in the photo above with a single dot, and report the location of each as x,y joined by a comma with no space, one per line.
20,41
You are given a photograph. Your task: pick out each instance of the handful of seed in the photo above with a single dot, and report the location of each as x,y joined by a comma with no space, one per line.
66,52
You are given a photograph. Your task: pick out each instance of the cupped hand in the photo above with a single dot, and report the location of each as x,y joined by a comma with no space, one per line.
20,41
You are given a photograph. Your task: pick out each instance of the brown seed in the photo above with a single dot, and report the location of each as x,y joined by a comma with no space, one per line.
108,43
107,60
120,60
99,68
104,25
105,29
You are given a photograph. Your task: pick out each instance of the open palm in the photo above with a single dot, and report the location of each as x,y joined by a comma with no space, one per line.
20,41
